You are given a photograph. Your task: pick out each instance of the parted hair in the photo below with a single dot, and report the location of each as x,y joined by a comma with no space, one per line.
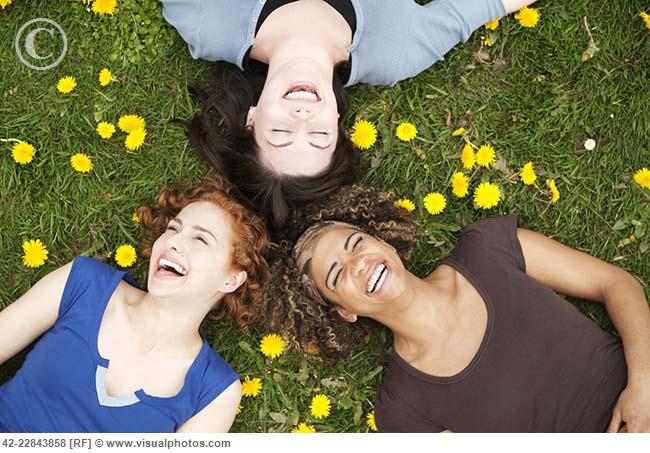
219,136
294,305
248,234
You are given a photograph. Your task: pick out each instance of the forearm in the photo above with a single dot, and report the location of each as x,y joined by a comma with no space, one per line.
514,5
628,309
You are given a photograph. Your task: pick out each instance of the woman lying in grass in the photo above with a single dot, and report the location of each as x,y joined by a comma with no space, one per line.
284,103
483,343
115,358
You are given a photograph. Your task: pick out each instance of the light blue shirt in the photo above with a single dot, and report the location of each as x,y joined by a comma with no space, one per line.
394,40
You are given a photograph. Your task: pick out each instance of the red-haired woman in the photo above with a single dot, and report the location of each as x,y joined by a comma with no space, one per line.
116,358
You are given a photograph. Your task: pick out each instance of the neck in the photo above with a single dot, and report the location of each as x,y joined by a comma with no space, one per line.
425,314
168,324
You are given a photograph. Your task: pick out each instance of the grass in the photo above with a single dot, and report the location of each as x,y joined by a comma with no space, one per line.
530,96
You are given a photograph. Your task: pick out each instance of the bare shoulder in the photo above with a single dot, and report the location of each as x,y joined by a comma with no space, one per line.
217,416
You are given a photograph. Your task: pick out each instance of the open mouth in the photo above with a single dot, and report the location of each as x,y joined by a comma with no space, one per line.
302,92
377,279
167,267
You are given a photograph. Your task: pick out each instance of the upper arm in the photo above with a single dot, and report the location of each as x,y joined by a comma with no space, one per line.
218,416
514,5
33,313
566,270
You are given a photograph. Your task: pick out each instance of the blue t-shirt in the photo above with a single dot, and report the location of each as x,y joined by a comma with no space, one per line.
60,387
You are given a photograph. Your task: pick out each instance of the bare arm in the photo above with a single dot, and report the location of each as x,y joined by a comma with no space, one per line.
216,417
514,5
574,273
32,314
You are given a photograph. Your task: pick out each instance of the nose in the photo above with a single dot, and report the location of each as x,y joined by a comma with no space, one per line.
174,243
302,112
358,265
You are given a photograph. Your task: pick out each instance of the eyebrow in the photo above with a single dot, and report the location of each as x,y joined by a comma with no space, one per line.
196,227
283,145
345,247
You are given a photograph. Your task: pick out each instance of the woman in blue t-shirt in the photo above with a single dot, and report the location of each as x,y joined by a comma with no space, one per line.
283,103
116,358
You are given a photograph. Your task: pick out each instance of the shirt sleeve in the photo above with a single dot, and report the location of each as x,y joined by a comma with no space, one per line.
217,377
394,415
86,275
499,236
453,21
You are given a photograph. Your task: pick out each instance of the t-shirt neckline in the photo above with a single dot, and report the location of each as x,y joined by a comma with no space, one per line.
487,300
103,362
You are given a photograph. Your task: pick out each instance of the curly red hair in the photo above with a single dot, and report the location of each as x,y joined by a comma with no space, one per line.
249,241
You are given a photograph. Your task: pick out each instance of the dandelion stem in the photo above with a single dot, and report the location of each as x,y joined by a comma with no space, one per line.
6,140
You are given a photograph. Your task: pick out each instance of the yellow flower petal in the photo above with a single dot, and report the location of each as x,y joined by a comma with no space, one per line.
105,129
364,134
467,157
251,387
66,84
485,155
105,77
435,203
405,203
406,132
555,194
527,174
135,139
272,345
642,178
493,24
81,163
527,17
459,184
125,255
104,7
23,153
320,406
487,195
35,253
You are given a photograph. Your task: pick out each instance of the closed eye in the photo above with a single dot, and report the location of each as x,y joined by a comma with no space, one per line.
354,246
201,239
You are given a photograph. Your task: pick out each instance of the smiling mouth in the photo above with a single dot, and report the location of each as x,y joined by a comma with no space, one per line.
168,267
302,92
377,279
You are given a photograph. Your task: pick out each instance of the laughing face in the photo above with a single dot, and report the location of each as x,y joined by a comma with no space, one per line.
295,121
359,273
192,259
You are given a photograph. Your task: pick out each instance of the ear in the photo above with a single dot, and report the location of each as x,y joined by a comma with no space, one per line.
250,117
345,315
234,281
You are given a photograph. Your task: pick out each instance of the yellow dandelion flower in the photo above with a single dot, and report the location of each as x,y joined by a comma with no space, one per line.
135,218
487,41
129,123
527,17
458,132
125,255
23,152
66,84
251,387
435,203
467,157
527,174
239,408
135,139
406,132
105,129
405,203
105,77
104,6
272,345
320,406
370,421
364,134
35,253
646,18
642,178
5,3
81,163
493,24
459,184
555,194
304,428
485,155
487,195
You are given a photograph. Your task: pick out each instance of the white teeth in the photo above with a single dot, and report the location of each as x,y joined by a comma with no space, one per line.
302,95
177,267
381,280
375,276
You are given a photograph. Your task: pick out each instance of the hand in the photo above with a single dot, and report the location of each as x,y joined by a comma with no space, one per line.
632,411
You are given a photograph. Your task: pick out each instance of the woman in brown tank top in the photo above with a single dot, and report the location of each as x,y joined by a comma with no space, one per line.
483,343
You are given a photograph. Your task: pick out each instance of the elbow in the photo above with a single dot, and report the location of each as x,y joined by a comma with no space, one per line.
619,281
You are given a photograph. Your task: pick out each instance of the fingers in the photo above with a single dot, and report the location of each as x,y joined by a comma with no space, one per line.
615,423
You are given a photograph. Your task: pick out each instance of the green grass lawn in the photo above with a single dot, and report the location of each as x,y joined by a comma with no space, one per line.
530,95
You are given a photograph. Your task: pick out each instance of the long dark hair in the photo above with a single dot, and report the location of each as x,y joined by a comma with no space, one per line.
234,152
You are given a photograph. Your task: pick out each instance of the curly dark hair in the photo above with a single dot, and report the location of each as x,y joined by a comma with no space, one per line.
293,302
249,241
234,153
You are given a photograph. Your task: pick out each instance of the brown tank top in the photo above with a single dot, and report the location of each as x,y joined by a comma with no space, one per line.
542,366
